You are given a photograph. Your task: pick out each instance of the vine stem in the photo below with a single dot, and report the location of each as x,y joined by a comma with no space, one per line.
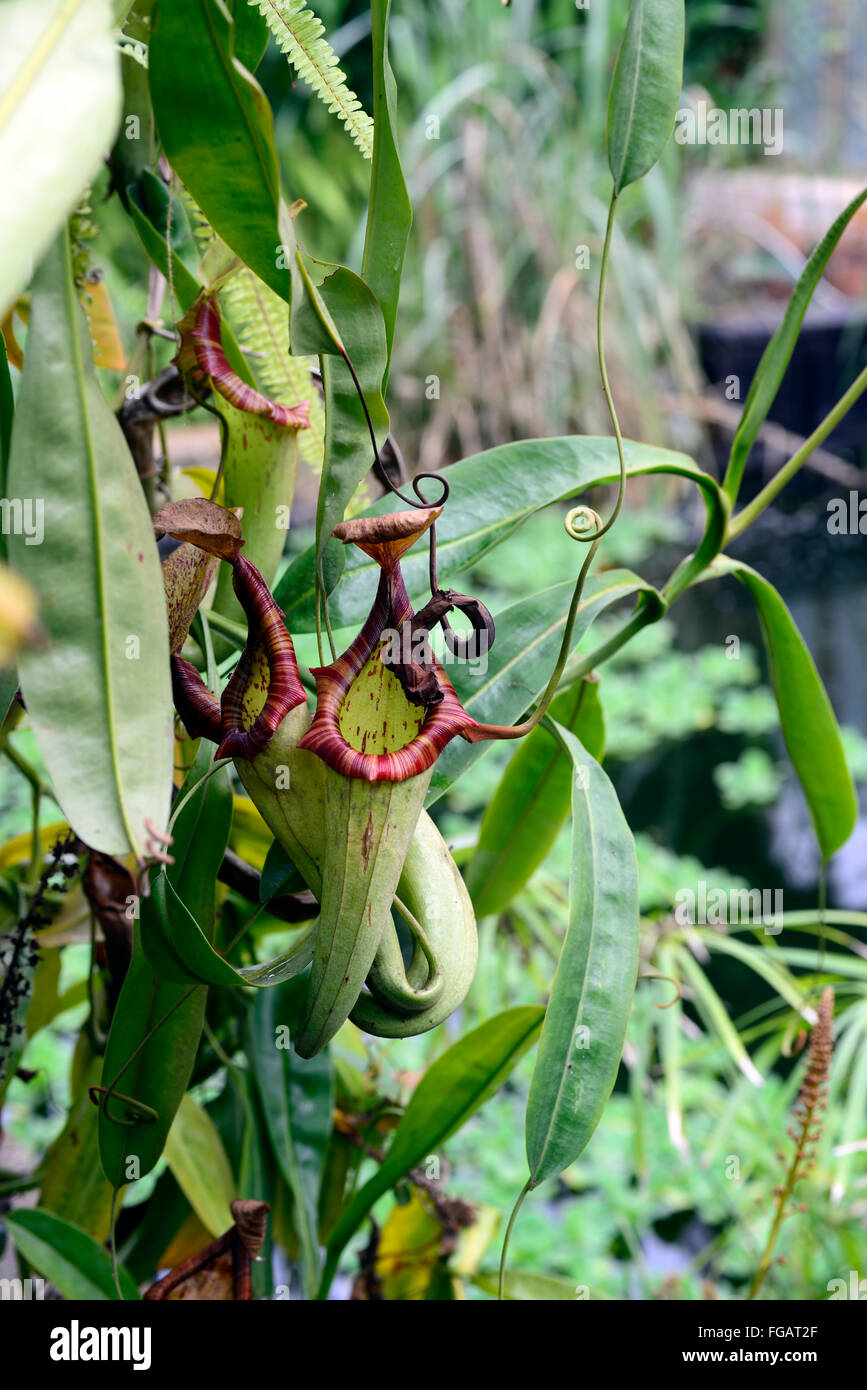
501,1287
603,370
748,514
227,627
520,730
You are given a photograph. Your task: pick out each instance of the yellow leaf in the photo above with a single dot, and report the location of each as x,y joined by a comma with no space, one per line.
409,1250
108,348
198,1162
19,626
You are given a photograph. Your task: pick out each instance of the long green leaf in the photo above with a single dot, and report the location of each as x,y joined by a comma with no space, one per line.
389,213
585,1022
519,665
451,1090
806,716
532,802
218,131
645,88
60,102
200,835
157,982
297,1100
98,692
492,495
68,1256
775,358
158,1075
198,1162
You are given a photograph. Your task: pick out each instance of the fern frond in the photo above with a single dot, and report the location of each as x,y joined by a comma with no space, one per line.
261,320
299,34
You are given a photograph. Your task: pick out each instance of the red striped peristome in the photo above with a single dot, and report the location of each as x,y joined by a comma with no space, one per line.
198,706
222,720
442,721
212,362
266,628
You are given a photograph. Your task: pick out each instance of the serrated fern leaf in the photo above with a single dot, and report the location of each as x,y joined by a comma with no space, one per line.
299,34
261,320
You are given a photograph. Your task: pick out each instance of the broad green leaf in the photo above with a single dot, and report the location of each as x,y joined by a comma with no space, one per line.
296,1096
389,214
98,692
199,838
218,131
451,1090
532,802
73,1184
198,1162
645,88
157,1075
158,982
59,109
591,996
68,1256
807,719
520,663
775,358
492,495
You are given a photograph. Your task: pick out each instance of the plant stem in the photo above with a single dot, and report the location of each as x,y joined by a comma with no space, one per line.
747,516
603,370
501,1289
227,626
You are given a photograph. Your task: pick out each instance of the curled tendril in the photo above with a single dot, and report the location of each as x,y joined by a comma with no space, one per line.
136,1111
579,521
